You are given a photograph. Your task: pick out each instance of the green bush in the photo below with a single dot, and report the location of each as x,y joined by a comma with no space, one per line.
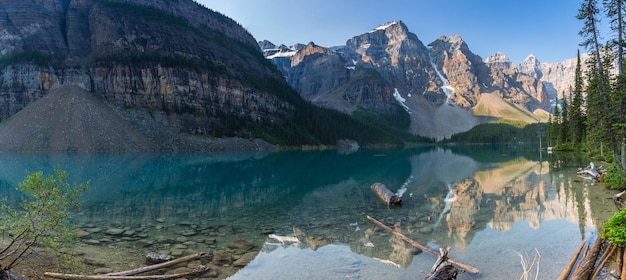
614,230
564,147
40,221
614,177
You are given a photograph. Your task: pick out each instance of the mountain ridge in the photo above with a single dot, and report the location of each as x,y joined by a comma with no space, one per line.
444,76
188,69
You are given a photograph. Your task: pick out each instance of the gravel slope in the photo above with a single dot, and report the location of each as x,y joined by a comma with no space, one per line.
72,119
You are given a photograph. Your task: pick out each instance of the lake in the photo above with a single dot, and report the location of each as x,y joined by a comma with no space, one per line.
488,203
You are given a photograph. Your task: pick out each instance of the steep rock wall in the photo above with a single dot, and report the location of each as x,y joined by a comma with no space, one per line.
123,50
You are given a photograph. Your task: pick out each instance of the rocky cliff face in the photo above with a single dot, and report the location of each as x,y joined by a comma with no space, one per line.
519,88
438,85
557,77
124,51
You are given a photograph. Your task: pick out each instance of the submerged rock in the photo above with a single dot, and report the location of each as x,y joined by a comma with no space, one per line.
245,259
241,244
153,258
115,231
222,258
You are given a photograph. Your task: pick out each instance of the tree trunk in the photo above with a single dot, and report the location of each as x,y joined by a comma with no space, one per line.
443,270
467,268
567,270
197,271
623,153
385,194
586,266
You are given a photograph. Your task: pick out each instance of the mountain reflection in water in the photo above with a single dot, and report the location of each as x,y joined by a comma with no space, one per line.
484,202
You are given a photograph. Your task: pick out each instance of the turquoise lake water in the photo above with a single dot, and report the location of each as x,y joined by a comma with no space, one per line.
487,203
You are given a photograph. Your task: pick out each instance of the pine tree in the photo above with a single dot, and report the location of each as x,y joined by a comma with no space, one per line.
556,131
564,128
594,106
615,11
577,119
550,132
588,13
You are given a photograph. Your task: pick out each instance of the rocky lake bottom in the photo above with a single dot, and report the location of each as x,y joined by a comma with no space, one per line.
304,215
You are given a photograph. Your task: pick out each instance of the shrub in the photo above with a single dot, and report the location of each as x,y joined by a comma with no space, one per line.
41,218
614,177
614,230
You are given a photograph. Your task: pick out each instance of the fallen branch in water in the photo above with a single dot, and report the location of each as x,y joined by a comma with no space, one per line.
587,264
127,274
442,269
385,194
467,268
197,271
617,199
605,257
567,270
158,266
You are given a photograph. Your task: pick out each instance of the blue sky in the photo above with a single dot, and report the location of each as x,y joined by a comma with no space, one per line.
546,28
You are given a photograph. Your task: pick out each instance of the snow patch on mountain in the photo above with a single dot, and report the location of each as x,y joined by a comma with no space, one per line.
282,53
384,26
401,100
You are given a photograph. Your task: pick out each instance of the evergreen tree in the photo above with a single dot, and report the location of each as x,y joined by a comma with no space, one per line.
588,13
550,132
594,107
615,11
577,119
606,95
556,131
564,127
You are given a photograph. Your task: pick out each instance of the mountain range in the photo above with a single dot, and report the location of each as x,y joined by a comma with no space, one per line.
443,86
176,76
169,69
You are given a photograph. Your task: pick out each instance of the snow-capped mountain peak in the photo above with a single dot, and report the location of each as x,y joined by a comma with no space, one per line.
384,26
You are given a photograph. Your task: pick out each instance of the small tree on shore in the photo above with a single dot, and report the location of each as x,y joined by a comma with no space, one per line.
41,218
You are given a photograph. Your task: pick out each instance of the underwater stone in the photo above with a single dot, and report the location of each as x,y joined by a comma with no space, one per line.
241,244
115,231
158,258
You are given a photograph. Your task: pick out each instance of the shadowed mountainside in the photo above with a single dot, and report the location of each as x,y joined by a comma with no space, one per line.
164,65
72,119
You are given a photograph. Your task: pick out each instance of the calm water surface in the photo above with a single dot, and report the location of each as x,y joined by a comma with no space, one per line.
487,203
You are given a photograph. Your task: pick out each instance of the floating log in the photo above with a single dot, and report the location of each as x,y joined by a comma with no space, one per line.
198,271
127,274
385,194
623,267
586,266
159,265
618,262
570,265
415,244
618,200
605,257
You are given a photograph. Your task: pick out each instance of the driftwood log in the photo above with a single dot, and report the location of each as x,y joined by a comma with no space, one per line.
623,270
385,194
618,261
415,244
567,270
605,257
618,200
587,264
127,274
197,271
442,269
594,172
